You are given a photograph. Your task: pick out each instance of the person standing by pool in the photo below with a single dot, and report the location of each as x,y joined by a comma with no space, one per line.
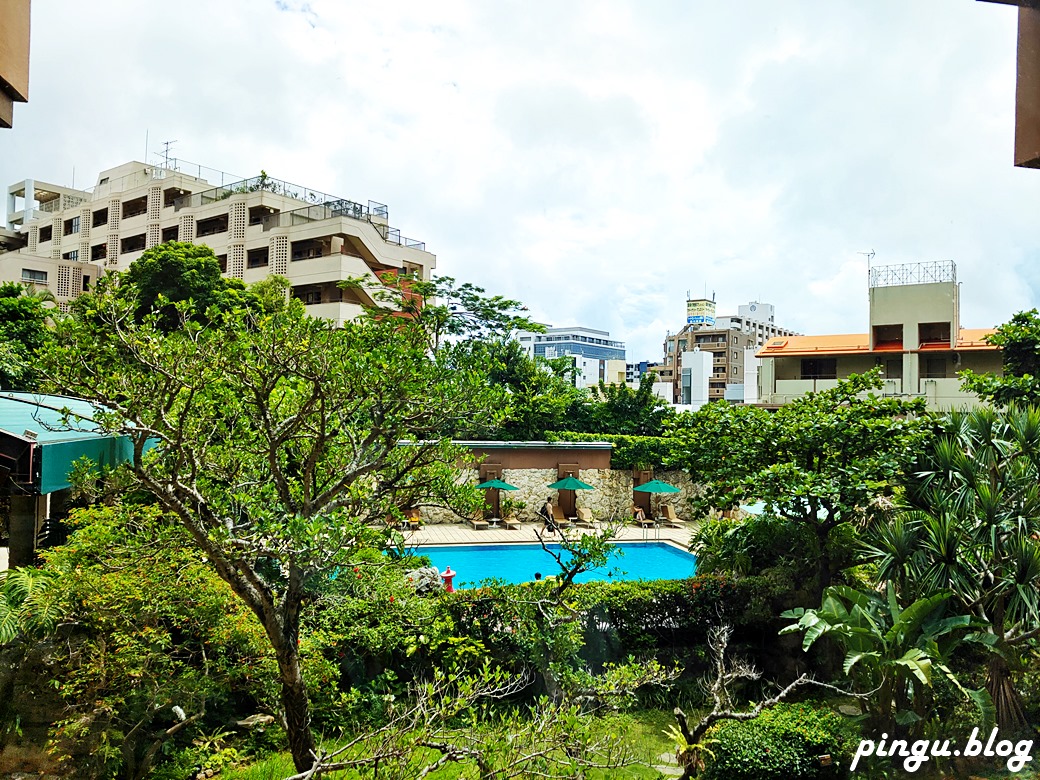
547,513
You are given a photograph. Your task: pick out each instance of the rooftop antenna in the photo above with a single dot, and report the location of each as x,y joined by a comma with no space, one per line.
166,152
869,255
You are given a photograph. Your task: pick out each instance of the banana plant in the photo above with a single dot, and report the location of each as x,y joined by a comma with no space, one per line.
891,651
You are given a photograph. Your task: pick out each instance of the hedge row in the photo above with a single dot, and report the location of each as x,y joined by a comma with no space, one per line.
642,452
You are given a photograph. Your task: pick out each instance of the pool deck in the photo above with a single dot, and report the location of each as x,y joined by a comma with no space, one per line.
463,534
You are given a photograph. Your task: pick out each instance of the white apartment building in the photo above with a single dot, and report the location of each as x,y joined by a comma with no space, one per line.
63,239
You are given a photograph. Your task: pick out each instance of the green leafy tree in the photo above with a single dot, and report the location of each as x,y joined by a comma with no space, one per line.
891,652
821,461
23,332
973,530
539,394
278,439
620,409
448,309
177,272
1019,341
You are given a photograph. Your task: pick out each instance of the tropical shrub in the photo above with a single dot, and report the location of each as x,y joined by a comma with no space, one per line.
784,742
745,545
891,651
154,646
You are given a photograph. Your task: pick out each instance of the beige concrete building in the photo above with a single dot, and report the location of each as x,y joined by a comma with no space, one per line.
62,239
726,338
914,337
14,57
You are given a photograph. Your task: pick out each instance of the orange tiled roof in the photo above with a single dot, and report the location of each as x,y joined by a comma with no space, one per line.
858,344
840,344
972,338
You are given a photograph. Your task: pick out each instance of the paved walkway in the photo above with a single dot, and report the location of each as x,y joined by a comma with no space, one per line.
459,533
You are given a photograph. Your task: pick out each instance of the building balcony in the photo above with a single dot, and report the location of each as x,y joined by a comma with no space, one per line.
797,387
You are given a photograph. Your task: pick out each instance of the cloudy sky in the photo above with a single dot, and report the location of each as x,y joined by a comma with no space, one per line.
596,160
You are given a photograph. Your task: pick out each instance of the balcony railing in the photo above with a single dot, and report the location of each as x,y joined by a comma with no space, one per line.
264,183
334,209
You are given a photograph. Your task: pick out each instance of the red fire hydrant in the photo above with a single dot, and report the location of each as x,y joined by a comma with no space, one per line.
447,577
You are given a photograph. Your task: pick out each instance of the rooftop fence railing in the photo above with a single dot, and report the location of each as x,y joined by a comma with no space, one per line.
913,273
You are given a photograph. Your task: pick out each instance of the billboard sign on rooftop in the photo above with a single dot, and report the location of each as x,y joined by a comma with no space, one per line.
700,312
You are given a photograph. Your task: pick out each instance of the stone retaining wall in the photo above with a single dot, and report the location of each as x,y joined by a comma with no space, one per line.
612,495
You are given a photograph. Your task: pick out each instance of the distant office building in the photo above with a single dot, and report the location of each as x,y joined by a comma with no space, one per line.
915,337
595,355
62,238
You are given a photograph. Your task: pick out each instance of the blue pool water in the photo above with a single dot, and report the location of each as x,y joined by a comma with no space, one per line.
515,563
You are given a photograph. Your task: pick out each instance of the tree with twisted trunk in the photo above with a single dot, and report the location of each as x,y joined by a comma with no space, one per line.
274,438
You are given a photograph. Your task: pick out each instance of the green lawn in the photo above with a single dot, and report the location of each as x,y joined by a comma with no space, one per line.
643,730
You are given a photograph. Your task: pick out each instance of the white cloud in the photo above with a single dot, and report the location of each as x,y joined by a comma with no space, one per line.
594,159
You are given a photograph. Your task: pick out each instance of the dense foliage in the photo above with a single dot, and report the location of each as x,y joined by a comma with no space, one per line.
973,530
891,652
629,452
277,438
787,741
153,646
821,461
1019,341
23,332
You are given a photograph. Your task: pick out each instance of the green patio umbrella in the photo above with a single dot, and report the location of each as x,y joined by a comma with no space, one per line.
571,483
496,484
656,486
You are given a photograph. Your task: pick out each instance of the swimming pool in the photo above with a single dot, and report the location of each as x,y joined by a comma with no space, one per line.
516,563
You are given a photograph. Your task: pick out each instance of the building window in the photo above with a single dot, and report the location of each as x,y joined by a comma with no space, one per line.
86,282
99,252
135,207
934,368
305,250
171,233
222,259
99,218
213,225
733,370
894,368
933,333
170,195
888,337
258,258
132,244
71,226
257,214
819,368
73,255
32,276
45,233
736,356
